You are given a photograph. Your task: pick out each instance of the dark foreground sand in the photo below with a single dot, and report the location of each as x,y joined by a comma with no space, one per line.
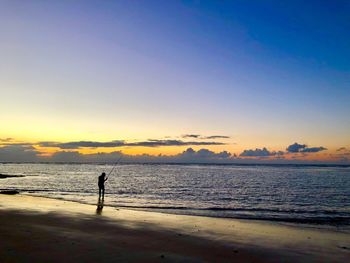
34,229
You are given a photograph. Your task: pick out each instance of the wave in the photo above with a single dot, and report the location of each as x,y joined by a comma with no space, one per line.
61,191
223,209
304,216
4,176
315,217
272,210
313,220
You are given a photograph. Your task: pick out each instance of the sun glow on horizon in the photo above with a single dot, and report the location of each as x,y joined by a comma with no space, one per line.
231,150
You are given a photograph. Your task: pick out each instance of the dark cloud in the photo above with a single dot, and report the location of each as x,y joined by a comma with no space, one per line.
224,155
204,154
18,153
11,141
157,143
313,149
76,157
259,153
296,147
302,148
191,136
17,144
68,157
82,144
27,153
188,156
216,137
211,137
148,143
6,139
341,149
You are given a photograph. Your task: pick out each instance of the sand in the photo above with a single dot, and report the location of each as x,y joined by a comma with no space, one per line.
36,229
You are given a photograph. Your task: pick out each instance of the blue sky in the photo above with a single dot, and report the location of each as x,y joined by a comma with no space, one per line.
266,73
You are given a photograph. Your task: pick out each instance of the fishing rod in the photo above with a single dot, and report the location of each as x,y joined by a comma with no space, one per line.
115,164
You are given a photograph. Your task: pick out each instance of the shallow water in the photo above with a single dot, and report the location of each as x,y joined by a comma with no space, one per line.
305,194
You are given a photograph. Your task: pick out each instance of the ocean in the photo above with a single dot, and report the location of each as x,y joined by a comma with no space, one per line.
318,195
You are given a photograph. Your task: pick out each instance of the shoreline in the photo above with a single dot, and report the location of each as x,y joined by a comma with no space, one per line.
156,236
307,223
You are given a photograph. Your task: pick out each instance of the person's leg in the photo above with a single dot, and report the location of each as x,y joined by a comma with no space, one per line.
103,193
99,192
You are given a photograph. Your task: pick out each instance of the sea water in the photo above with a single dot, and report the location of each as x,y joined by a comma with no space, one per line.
286,193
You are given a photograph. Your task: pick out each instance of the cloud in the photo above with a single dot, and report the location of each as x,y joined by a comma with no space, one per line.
12,141
211,137
313,149
296,147
18,153
157,143
203,154
224,155
148,143
341,149
68,157
302,148
187,156
27,153
190,136
259,153
6,139
216,137
82,144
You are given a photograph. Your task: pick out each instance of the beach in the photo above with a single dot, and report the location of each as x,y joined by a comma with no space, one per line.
174,131
37,229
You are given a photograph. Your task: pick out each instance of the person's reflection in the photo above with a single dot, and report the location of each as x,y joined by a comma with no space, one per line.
99,206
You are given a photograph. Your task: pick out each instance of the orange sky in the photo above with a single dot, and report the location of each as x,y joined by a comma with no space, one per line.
329,155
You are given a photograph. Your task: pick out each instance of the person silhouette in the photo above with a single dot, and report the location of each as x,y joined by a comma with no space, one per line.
101,185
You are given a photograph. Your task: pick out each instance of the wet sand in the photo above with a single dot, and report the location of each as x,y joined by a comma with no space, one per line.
35,229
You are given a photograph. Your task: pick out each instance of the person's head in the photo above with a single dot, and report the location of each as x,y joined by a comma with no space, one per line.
103,174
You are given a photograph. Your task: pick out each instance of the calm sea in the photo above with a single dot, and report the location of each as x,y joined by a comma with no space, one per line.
300,194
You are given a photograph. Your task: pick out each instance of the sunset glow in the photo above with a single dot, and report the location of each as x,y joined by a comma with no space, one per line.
156,71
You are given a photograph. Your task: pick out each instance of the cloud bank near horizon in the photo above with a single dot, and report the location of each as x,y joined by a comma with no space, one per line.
121,143
27,153
264,152
11,151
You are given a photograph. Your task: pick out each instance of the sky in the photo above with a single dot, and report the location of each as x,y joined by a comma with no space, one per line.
223,81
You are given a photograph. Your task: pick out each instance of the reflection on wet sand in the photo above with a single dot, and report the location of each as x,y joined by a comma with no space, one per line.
188,238
99,206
